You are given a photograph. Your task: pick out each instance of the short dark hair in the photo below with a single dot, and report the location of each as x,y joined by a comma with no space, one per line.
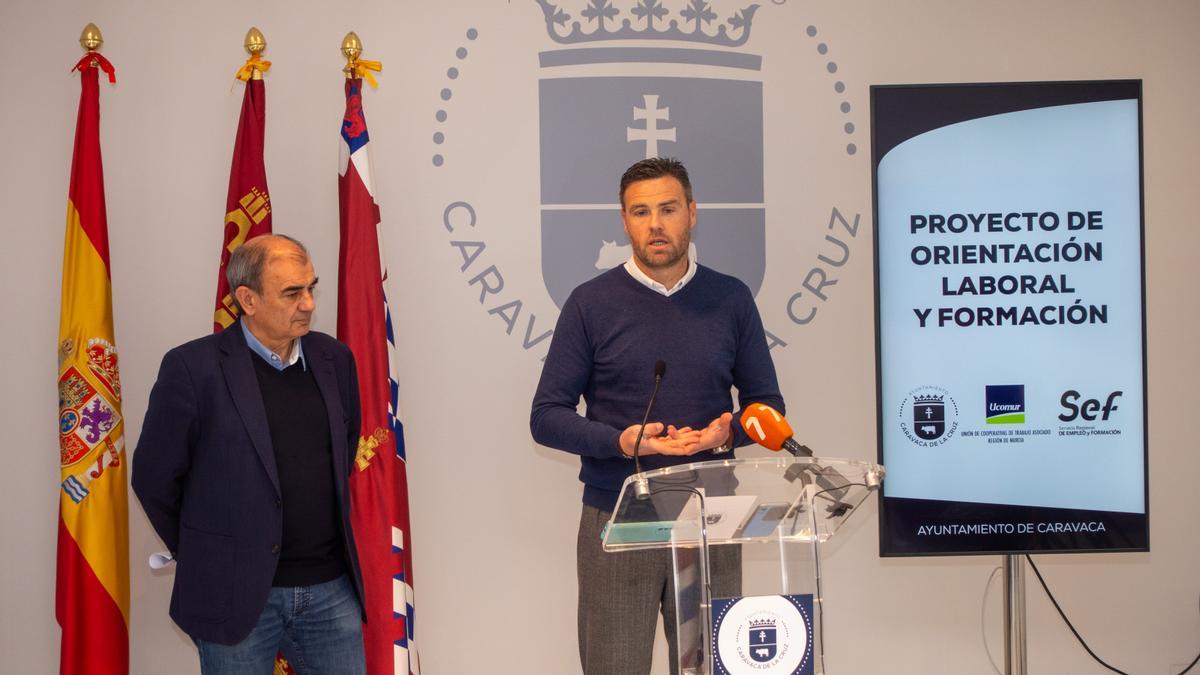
247,262
656,167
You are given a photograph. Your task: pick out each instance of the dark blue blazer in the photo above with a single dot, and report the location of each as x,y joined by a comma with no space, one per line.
204,471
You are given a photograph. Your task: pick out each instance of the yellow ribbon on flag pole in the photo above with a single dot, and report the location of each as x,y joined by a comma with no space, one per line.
363,68
252,64
356,67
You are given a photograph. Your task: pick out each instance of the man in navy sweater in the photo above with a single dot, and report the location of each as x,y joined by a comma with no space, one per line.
660,305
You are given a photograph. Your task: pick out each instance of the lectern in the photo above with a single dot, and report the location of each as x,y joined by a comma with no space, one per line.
745,537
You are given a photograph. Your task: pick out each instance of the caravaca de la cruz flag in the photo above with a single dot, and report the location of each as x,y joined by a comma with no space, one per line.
379,482
248,205
92,590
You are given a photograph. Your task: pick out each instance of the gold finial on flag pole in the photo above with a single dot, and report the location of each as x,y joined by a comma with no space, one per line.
91,39
255,46
256,65
255,42
357,67
351,49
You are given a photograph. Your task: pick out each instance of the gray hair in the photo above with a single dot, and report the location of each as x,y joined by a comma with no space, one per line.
246,264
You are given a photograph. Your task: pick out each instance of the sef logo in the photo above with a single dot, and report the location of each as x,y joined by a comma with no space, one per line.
1087,410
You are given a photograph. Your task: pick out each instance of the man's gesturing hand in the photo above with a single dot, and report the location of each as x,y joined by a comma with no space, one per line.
717,433
679,442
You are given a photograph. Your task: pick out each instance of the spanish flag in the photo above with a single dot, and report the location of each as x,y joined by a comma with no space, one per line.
92,594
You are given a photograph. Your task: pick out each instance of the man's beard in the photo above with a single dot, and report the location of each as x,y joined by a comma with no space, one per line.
678,250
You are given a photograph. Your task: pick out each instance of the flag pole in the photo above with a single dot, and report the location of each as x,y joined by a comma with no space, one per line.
92,557
379,482
247,204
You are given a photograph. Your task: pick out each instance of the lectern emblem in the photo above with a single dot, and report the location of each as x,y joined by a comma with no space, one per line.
763,635
596,120
761,638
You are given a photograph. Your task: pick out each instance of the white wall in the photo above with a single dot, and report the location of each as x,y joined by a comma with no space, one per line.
493,516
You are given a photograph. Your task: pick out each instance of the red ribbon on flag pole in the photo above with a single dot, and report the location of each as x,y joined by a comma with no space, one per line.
94,58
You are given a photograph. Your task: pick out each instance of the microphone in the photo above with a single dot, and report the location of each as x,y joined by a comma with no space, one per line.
765,426
641,486
769,429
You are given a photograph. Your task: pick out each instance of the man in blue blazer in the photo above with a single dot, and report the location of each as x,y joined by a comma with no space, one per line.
243,469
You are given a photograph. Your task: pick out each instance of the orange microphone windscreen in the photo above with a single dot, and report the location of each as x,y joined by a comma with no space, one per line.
765,426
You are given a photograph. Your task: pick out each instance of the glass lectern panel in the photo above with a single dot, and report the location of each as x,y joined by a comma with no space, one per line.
743,531
744,500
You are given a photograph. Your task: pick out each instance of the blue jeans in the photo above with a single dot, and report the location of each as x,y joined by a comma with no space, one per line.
318,628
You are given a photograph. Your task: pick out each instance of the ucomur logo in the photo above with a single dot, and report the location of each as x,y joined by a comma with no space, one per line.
1005,403
929,416
682,103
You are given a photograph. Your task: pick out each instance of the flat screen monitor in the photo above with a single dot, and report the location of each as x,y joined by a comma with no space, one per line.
1010,321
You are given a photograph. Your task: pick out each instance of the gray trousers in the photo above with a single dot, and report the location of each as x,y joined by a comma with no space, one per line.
621,594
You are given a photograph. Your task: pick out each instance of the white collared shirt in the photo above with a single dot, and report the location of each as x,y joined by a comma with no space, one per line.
271,357
642,278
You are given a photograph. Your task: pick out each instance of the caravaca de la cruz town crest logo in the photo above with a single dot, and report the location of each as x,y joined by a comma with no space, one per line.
763,635
761,117
929,416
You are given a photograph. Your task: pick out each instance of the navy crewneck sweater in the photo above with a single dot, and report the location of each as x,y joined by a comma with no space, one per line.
311,544
610,332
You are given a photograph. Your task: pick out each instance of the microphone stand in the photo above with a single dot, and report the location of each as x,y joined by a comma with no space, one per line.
828,486
641,486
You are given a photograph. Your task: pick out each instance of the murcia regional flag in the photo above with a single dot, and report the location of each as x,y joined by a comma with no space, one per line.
379,482
92,589
247,205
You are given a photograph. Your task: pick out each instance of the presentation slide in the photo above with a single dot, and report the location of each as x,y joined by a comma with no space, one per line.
1009,317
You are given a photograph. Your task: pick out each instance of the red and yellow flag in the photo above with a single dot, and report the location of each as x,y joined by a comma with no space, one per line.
248,205
92,594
